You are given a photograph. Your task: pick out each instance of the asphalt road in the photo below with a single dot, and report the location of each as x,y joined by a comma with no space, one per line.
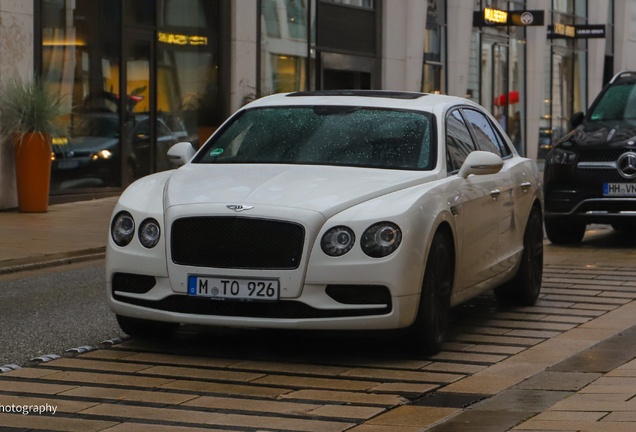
48,312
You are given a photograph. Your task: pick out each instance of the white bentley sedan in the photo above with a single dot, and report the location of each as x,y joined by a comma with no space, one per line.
330,210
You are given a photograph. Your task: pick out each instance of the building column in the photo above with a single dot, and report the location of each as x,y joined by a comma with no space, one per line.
243,74
16,60
597,11
403,26
537,72
624,35
459,20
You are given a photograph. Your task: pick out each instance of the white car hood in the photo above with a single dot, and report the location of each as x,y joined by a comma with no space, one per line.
325,189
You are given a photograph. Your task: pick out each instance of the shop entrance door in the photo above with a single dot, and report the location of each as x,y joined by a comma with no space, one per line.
496,97
138,107
346,72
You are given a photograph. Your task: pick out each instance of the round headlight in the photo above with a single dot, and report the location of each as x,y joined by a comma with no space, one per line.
338,241
381,239
149,233
123,228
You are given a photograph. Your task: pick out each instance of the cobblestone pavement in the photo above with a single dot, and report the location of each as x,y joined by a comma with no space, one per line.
231,380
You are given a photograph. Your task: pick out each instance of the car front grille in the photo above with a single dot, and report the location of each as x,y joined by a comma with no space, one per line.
608,155
601,175
237,242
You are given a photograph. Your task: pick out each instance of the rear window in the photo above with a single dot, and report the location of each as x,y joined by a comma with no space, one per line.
618,103
326,135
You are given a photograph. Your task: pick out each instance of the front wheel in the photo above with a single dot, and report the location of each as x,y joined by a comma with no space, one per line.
564,231
146,329
525,287
428,332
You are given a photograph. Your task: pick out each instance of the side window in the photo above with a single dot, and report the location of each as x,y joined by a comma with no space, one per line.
501,142
484,134
458,141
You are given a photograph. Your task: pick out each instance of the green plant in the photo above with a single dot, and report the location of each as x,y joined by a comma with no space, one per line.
30,106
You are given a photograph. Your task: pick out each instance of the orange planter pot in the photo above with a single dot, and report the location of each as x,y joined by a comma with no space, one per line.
33,171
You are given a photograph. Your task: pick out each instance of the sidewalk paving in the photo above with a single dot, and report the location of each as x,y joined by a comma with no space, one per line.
71,231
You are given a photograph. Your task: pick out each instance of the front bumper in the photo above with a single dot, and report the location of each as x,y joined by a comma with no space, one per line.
314,309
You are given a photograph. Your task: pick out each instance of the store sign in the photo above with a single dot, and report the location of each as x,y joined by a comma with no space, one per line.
178,39
582,31
498,18
495,16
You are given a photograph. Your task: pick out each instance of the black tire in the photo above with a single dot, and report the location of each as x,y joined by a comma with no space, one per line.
525,287
146,329
428,332
627,226
564,231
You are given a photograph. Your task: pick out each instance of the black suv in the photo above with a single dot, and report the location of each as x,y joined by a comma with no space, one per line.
590,174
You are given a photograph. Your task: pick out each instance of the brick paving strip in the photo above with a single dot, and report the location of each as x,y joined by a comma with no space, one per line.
190,383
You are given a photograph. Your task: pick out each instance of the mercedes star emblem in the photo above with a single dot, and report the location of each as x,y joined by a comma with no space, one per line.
239,208
626,165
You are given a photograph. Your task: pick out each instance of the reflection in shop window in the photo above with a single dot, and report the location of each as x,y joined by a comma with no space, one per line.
80,59
283,46
189,100
360,3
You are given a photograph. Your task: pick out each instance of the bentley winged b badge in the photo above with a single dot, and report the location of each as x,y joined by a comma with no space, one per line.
239,208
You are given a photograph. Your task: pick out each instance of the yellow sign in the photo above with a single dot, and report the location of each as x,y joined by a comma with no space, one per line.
59,141
177,39
495,16
564,30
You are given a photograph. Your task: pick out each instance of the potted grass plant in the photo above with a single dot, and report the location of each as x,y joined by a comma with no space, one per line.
30,113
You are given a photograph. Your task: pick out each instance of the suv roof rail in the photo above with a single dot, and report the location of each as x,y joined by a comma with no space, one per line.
618,75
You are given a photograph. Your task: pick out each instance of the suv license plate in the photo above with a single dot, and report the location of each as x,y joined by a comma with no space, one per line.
222,288
619,189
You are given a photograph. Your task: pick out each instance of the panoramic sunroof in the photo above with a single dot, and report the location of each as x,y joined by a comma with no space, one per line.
361,93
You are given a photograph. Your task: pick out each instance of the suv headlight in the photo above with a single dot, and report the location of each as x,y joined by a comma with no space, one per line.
123,228
338,241
381,239
149,233
562,157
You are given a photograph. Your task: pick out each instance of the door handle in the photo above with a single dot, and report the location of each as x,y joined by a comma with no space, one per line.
526,185
495,193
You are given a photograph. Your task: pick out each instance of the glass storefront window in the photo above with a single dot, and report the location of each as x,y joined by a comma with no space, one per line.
169,64
567,60
472,92
283,48
517,95
140,11
434,48
80,59
360,3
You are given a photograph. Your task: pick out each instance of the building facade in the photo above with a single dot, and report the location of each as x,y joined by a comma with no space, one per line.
142,75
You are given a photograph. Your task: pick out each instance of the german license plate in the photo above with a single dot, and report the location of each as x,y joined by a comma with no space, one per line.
233,288
67,164
619,189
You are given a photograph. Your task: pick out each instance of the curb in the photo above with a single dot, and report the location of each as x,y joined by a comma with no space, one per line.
54,260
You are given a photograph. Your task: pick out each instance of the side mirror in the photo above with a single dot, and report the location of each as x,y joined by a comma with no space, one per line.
480,163
181,153
576,120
